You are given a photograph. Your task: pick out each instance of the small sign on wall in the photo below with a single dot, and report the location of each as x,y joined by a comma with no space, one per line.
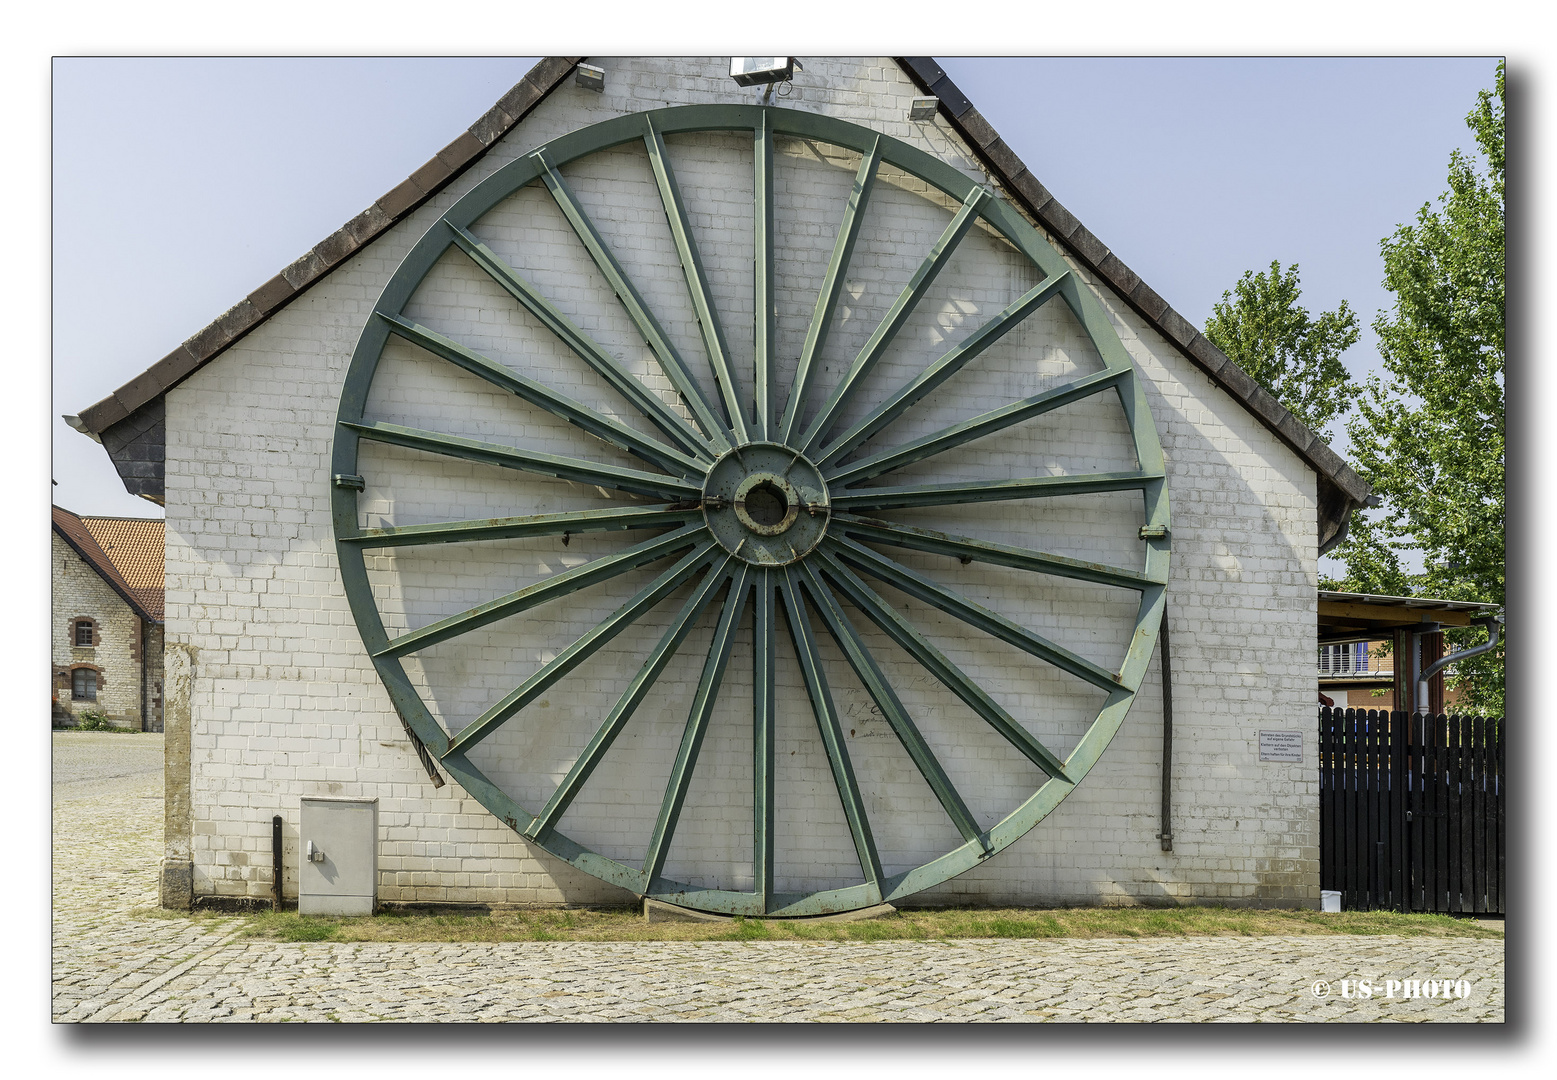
1281,746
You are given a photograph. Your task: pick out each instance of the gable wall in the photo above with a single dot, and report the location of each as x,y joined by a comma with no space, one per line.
281,702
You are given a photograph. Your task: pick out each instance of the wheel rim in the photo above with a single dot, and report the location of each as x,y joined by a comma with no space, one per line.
759,505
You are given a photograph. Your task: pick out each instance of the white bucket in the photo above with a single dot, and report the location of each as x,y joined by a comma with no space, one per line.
1329,900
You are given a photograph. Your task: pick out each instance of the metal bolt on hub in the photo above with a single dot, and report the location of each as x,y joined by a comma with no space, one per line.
766,504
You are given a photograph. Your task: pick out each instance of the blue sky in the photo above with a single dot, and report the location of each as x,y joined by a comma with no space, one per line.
179,185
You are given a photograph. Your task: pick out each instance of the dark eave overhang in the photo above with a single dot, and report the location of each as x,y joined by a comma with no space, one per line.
129,422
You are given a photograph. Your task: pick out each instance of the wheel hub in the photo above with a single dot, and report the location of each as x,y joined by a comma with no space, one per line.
766,504
752,524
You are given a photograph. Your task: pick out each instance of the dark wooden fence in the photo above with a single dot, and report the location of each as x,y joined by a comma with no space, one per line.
1411,810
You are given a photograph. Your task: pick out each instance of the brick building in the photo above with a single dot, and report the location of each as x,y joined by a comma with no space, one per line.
273,694
106,626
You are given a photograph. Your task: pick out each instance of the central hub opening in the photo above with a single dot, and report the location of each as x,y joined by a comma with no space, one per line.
766,504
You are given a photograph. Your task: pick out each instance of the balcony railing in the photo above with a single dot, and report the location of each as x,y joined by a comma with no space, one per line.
1353,659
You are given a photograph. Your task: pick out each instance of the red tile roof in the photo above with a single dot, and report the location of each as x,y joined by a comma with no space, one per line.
135,547
127,553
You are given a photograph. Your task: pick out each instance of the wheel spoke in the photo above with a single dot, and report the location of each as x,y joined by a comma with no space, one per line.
832,284
1036,487
697,279
762,265
864,665
628,703
586,348
960,607
896,316
532,461
762,643
767,486
966,548
559,585
697,725
580,415
931,659
582,649
960,434
584,521
827,724
948,365
648,326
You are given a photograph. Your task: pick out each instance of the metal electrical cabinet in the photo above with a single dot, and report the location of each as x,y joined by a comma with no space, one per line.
337,856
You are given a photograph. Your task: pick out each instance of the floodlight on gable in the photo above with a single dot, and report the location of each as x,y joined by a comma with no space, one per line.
762,70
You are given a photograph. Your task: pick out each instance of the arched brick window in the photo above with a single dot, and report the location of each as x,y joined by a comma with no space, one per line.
83,684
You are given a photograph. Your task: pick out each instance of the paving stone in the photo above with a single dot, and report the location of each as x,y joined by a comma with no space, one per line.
117,960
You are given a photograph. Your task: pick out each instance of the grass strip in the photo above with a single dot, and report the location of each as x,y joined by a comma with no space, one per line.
940,924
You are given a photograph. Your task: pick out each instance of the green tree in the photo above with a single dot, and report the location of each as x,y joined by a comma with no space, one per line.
1429,438
1262,328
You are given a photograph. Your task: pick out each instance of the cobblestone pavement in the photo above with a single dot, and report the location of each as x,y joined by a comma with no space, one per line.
115,959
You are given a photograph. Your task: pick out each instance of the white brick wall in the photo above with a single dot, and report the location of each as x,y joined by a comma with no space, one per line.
285,704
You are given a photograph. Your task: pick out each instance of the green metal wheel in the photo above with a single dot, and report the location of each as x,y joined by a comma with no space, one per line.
782,506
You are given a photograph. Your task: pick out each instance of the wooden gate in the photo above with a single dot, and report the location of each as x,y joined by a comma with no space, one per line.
1411,811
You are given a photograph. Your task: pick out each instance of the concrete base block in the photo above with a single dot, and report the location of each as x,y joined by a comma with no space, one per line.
879,911
176,885
657,911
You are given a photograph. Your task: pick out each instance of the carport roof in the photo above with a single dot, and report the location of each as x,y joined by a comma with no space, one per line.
1350,614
